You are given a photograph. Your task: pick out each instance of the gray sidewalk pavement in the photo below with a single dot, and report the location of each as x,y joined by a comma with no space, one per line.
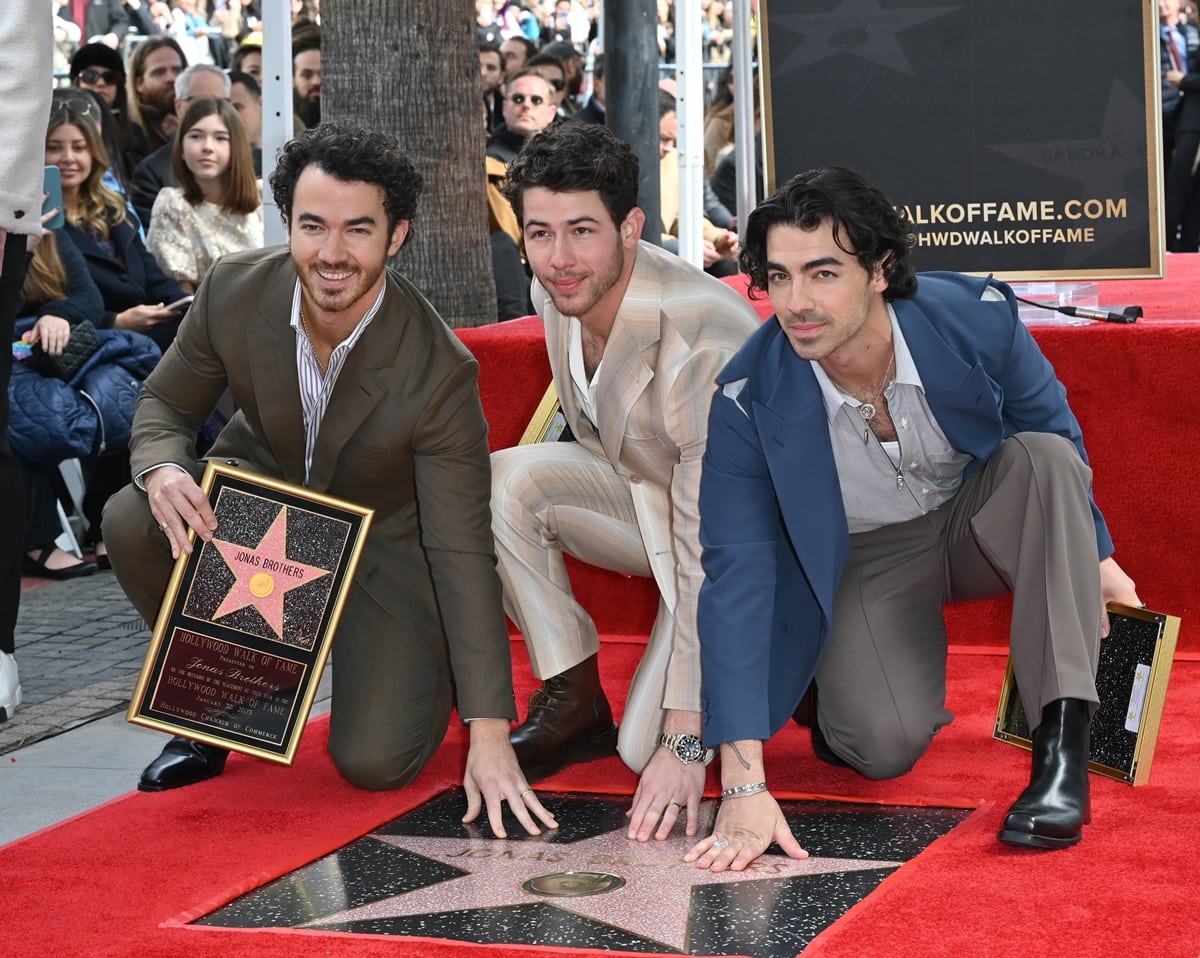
68,748
79,647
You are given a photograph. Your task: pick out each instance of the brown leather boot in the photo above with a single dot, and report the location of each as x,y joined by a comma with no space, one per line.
569,720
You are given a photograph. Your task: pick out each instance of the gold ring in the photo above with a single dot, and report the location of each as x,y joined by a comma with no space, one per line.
528,791
676,804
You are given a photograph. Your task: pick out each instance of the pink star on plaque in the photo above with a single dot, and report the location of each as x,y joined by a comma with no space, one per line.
264,574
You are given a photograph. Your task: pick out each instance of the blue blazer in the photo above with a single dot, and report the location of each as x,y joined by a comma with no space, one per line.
131,277
772,524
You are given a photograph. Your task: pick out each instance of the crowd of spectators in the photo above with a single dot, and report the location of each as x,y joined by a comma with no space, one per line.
1179,60
540,65
157,134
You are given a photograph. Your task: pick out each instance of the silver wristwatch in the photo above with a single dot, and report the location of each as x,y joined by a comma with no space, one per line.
687,748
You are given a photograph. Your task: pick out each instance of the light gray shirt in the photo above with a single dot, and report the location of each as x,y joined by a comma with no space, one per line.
884,483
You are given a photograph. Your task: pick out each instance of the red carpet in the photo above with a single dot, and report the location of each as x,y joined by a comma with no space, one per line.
1132,388
118,881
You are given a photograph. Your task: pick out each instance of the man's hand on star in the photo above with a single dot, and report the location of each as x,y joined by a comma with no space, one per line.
493,777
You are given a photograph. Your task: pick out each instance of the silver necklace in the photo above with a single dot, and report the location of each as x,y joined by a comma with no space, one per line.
311,348
898,468
867,409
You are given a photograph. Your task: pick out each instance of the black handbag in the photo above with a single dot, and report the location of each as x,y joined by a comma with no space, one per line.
83,342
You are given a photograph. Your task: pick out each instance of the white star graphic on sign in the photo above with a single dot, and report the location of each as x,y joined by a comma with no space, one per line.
1103,166
654,903
859,28
1100,164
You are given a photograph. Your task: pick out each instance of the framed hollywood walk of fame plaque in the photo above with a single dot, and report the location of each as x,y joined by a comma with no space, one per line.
248,619
1132,672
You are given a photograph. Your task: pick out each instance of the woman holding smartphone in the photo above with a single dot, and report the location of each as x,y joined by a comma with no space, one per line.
133,287
217,207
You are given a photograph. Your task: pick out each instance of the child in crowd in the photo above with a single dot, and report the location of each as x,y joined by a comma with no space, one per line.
217,208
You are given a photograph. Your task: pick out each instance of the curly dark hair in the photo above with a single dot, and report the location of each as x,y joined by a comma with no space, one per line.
576,158
351,154
860,214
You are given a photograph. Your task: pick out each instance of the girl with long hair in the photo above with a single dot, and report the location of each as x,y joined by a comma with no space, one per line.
217,207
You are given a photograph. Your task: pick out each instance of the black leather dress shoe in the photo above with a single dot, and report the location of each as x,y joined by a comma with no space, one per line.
569,720
37,567
1052,811
806,717
182,762
821,747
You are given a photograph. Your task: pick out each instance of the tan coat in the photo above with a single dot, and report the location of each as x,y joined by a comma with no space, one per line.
675,330
668,179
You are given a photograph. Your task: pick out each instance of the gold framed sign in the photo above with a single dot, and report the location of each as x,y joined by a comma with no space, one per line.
1131,679
548,423
247,622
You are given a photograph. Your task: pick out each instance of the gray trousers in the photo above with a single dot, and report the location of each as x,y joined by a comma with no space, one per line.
392,692
1022,523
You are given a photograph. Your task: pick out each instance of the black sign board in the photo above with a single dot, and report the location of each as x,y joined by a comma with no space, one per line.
1022,137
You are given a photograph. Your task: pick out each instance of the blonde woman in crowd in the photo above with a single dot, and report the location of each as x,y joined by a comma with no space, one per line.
137,295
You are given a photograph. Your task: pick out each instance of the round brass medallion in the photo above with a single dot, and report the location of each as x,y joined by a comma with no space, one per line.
262,585
572,884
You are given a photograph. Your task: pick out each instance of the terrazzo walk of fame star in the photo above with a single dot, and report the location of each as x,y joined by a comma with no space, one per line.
268,570
586,885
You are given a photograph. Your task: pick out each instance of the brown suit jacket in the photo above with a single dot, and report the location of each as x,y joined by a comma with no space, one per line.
403,434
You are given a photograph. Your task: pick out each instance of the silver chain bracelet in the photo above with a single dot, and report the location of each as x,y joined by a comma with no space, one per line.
740,791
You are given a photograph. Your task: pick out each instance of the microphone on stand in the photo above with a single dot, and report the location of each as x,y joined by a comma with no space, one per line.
1113,314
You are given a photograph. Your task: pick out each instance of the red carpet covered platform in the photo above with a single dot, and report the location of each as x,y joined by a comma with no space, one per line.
1131,386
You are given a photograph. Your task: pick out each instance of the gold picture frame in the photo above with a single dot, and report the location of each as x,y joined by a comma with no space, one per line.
1131,679
548,422
248,619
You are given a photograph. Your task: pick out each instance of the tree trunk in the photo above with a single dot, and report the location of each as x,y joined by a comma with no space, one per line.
410,68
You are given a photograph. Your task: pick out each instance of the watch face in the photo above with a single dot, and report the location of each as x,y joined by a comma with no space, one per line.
689,748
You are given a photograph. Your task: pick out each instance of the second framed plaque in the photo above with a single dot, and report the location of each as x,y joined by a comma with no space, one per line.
248,619
1131,680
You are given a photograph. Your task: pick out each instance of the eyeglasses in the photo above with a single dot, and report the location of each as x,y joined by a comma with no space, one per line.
518,99
107,77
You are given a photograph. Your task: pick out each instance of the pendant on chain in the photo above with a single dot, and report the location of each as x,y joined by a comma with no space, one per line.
867,412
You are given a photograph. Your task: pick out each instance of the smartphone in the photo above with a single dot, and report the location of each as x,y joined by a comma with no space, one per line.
52,187
180,304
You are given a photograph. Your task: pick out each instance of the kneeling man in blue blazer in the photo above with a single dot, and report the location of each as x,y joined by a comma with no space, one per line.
886,445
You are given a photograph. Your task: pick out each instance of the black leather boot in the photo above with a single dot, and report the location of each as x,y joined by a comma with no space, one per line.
182,762
1052,811
569,720
806,717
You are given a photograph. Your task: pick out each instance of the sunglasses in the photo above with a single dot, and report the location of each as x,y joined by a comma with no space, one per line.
76,108
518,99
107,77
556,83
